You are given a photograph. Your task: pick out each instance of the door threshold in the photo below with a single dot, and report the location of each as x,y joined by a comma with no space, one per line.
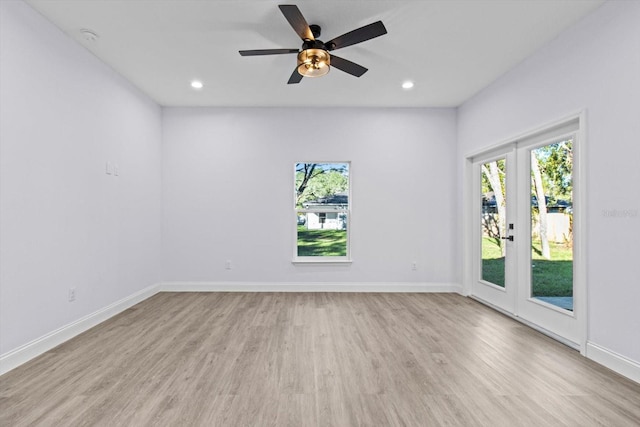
556,337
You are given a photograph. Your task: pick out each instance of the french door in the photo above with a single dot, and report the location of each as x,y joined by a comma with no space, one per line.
524,215
495,267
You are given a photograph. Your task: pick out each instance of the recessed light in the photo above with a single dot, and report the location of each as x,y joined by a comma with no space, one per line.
197,84
89,35
407,85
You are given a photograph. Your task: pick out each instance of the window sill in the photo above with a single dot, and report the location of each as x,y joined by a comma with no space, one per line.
321,261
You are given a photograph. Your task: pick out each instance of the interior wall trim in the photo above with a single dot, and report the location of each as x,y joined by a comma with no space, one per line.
35,348
612,360
22,354
310,287
30,350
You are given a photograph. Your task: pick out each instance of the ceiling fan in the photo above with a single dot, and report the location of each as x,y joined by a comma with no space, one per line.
314,59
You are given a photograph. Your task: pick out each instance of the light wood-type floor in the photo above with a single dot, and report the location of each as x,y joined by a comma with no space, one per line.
314,359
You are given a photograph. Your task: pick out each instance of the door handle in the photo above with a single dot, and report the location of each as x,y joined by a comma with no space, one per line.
509,238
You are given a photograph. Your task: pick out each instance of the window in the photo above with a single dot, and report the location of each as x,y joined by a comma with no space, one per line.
322,208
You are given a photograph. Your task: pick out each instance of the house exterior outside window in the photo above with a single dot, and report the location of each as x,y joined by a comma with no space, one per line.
322,208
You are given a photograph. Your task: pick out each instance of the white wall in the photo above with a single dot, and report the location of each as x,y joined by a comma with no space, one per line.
228,193
593,66
64,222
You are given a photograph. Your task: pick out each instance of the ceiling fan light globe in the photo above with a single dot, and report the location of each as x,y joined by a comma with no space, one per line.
314,62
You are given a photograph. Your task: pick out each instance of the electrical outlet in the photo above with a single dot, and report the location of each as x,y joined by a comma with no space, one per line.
227,265
414,265
72,294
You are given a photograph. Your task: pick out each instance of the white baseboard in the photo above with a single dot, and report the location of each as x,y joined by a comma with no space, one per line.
26,352
622,365
308,287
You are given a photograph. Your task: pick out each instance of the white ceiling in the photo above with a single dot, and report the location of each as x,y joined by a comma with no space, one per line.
451,49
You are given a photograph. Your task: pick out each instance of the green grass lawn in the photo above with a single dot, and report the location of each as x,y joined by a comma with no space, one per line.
492,262
550,278
321,242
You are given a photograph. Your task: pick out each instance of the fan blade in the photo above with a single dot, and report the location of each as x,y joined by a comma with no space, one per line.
297,21
347,66
296,77
359,35
267,52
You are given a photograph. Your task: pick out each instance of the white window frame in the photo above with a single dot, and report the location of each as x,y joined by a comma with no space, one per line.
325,260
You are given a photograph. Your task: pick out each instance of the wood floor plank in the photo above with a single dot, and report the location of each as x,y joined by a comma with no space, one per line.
314,359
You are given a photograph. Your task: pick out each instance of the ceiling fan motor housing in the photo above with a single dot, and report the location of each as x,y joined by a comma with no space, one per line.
313,44
317,44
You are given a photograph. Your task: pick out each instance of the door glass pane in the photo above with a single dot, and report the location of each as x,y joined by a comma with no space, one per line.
493,222
551,224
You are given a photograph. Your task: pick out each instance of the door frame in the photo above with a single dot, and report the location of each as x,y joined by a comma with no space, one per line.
580,295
